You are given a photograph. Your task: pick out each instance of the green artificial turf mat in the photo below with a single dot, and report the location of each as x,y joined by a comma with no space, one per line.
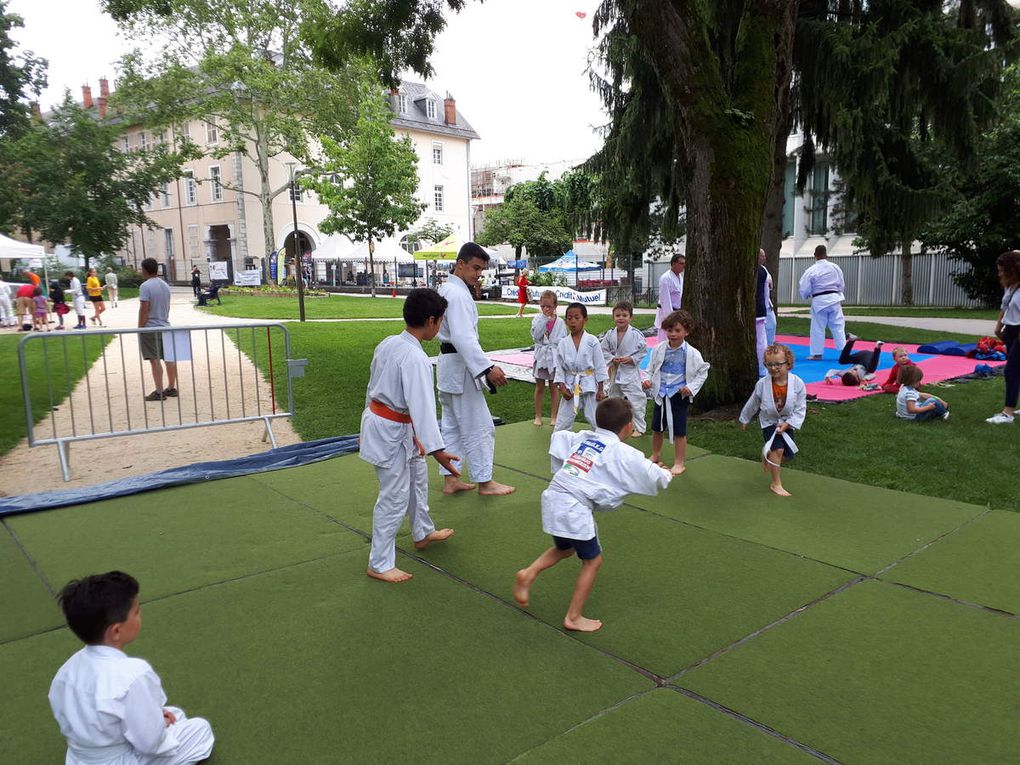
525,447
881,674
665,726
859,527
978,563
668,593
26,606
317,663
179,538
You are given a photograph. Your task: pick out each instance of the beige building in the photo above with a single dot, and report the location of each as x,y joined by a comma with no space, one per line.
202,218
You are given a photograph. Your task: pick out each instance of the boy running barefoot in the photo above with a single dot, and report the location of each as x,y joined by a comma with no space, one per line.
398,428
593,470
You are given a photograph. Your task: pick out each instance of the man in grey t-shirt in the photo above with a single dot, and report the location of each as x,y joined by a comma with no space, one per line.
154,311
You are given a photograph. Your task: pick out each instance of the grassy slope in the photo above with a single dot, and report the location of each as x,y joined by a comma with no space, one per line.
332,307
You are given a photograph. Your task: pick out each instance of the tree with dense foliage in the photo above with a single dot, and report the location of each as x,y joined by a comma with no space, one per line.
243,66
430,231
368,180
520,222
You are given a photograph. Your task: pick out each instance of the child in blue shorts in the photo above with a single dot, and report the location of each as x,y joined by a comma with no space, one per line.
592,470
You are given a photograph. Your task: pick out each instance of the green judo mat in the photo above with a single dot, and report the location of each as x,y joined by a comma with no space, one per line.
739,627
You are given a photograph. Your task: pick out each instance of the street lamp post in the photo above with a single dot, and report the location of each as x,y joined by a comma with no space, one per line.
299,265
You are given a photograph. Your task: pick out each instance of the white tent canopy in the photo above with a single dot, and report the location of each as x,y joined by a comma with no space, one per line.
12,248
386,251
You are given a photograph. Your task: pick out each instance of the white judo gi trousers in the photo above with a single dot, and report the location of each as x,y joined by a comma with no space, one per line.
196,737
770,327
468,431
403,491
7,318
566,415
761,343
826,312
635,394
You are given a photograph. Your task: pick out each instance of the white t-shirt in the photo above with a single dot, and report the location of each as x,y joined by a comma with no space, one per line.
906,394
1011,306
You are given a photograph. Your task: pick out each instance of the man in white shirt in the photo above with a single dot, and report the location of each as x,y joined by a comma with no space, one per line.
462,371
671,291
823,285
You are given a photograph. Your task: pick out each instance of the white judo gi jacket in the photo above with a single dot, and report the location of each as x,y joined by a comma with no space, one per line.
696,370
109,707
671,295
400,378
460,329
593,470
545,344
626,376
583,367
761,401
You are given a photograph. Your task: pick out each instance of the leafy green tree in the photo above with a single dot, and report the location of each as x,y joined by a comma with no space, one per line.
430,231
521,223
376,178
242,65
21,75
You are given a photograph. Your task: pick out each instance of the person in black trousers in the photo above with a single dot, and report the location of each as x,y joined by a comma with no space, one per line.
1007,329
196,280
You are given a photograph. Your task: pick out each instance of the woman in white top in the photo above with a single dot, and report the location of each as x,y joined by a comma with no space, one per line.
1007,329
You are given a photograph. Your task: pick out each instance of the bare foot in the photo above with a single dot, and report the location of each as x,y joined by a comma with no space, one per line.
635,434
452,484
436,536
522,587
393,575
583,624
780,491
493,489
537,421
677,469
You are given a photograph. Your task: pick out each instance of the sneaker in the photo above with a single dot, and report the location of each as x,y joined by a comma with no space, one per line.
945,416
814,358
852,336
155,396
170,393
1000,419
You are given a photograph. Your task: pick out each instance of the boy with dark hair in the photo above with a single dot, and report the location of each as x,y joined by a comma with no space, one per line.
398,428
581,371
110,707
592,470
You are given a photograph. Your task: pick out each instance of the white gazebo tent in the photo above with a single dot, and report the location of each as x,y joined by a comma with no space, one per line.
385,253
12,249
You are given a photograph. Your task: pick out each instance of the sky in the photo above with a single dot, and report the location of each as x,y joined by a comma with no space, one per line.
515,67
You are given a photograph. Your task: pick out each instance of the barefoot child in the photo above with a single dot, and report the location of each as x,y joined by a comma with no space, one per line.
398,428
780,399
624,349
677,372
912,404
592,470
547,329
580,370
110,707
862,368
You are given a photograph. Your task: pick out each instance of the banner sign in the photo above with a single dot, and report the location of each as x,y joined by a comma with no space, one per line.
563,295
274,266
248,278
218,270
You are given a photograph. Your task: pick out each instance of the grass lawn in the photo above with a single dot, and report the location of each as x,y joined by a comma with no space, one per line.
331,307
929,312
82,350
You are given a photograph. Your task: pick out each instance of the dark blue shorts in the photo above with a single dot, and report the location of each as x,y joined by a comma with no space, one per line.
778,442
586,549
679,404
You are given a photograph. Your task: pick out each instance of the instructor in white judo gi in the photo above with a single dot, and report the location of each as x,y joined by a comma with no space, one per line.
671,291
823,285
464,371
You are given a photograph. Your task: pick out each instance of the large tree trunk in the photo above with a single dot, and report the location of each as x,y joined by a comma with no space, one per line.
775,202
725,77
906,275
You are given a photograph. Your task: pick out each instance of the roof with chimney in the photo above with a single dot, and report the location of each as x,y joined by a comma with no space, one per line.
415,117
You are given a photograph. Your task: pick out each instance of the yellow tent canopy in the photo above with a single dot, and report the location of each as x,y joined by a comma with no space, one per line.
444,250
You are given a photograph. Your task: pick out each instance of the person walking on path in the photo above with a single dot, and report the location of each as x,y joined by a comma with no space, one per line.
196,280
154,311
522,293
823,285
111,286
462,370
95,290
1007,329
671,292
77,298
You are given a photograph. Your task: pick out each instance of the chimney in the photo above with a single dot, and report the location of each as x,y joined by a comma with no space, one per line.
37,110
86,97
102,107
450,110
104,87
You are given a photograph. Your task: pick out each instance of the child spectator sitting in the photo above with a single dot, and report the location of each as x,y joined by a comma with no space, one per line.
863,365
110,707
900,360
912,404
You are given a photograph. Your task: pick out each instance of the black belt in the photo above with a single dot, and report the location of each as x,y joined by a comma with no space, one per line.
447,348
827,292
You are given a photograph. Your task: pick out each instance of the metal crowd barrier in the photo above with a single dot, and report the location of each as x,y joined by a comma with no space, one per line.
210,358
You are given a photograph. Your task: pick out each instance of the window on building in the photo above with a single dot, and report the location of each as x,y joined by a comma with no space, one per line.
818,200
437,153
159,137
143,141
430,108
438,198
184,132
216,188
125,144
403,104
212,135
164,194
190,188
168,243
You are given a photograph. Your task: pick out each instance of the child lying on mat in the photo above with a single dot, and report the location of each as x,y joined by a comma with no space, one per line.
593,470
912,404
861,373
110,707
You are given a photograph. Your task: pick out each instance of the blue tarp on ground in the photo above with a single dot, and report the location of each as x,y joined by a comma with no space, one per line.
274,459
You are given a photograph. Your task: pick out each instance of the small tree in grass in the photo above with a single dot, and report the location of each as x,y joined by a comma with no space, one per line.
369,181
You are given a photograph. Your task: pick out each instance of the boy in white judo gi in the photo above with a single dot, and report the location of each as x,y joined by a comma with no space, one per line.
109,706
398,428
623,349
780,399
581,371
547,329
592,470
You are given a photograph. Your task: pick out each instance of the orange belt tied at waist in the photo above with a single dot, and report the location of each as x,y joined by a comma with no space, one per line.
379,408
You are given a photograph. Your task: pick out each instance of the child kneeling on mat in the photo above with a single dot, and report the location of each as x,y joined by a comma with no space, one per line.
593,470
